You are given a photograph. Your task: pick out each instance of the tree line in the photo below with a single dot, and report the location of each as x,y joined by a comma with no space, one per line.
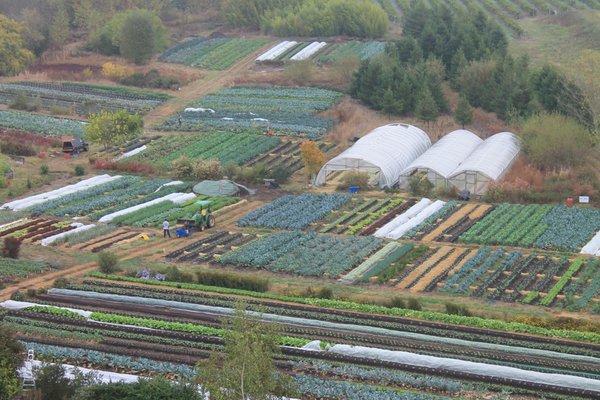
469,52
360,18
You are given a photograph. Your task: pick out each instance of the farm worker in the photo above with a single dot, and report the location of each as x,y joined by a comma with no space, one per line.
166,231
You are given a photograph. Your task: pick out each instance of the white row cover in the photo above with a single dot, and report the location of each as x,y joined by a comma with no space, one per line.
26,372
308,51
446,154
277,50
22,204
176,198
398,232
131,153
493,157
79,227
593,246
403,218
387,150
454,365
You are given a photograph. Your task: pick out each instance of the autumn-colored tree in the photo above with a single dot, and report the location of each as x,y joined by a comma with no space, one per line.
312,157
14,57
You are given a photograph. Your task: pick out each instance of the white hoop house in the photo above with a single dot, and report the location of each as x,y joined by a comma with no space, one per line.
443,158
384,153
488,163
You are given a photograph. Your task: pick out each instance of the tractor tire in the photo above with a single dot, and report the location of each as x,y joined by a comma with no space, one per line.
211,221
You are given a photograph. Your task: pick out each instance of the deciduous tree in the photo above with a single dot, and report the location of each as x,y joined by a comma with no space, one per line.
14,57
113,128
312,157
246,370
11,353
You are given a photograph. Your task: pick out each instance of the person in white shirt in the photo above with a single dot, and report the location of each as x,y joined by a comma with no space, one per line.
166,231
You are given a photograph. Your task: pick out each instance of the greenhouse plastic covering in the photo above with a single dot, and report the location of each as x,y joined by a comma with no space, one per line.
493,157
449,364
402,218
399,231
446,154
389,149
223,311
593,246
216,188
22,204
176,198
277,50
78,229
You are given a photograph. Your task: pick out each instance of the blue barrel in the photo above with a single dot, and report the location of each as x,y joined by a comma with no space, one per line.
353,189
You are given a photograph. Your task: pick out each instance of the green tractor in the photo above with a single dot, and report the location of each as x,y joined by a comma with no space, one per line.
202,219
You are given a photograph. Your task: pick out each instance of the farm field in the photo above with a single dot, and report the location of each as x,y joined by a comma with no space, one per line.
40,124
286,155
213,54
287,111
353,49
114,324
226,147
359,215
79,98
321,52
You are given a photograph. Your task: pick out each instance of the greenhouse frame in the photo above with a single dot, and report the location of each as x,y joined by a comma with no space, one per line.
383,153
488,163
443,158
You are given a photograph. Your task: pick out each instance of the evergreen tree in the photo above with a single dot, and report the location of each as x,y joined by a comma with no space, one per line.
390,105
464,112
59,29
425,108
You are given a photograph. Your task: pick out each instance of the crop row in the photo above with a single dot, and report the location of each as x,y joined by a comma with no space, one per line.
41,124
451,323
322,52
303,253
214,54
209,248
11,269
353,49
359,214
83,98
281,110
294,211
226,147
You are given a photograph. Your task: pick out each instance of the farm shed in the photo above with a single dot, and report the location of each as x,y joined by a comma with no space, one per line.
384,153
443,158
487,163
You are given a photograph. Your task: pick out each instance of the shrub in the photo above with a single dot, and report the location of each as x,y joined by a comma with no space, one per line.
182,167
300,72
175,275
232,280
12,247
115,71
17,149
414,304
207,169
79,170
419,185
108,262
397,302
44,169
322,292
21,102
280,173
455,309
354,178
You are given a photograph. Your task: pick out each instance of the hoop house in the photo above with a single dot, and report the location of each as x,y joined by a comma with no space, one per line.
383,153
487,163
443,158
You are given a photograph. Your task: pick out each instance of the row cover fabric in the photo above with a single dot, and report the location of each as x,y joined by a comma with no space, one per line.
79,227
176,198
22,204
446,154
223,311
493,157
403,218
277,50
388,149
211,188
131,153
593,246
413,222
26,372
449,364
308,51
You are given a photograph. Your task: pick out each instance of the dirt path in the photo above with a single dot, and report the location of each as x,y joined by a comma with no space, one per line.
46,280
212,81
